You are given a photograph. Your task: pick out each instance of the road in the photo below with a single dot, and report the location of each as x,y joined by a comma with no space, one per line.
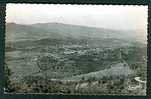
137,86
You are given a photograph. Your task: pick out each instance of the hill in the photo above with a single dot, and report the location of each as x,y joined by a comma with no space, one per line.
18,32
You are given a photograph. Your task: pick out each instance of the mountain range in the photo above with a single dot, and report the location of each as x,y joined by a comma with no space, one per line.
18,32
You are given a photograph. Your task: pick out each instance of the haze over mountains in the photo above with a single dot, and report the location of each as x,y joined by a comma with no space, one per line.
76,49
18,32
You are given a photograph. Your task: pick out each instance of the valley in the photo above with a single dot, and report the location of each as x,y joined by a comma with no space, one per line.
67,59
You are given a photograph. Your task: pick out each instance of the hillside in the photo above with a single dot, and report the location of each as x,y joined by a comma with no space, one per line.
43,57
18,32
116,70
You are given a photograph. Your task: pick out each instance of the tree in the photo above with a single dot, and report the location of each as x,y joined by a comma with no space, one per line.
7,73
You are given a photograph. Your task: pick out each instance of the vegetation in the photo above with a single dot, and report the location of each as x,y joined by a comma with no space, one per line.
75,64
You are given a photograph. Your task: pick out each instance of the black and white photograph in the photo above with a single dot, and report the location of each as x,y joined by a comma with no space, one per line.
76,49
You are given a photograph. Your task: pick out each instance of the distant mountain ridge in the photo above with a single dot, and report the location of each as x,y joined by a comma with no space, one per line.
17,32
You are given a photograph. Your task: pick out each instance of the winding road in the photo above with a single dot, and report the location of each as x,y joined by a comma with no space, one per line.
139,80
137,86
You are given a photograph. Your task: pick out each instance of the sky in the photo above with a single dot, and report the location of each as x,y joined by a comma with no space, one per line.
104,16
